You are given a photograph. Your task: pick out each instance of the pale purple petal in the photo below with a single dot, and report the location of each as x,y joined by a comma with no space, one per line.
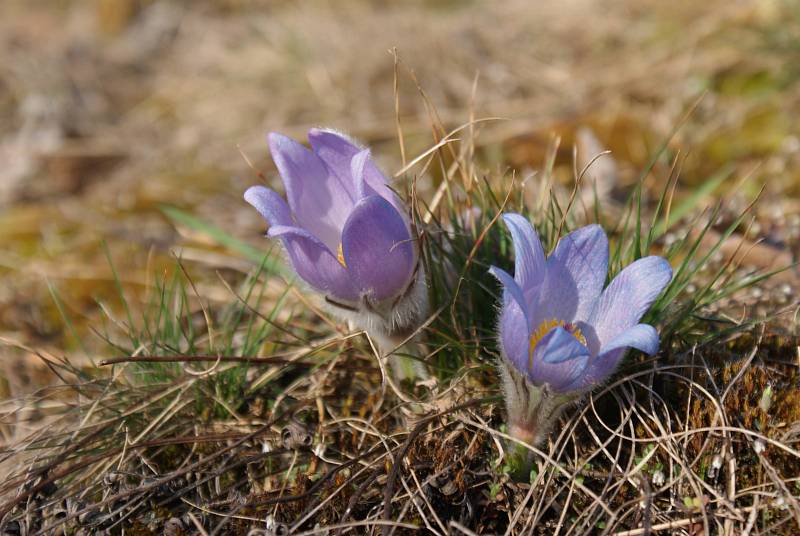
338,150
584,255
512,292
269,204
314,263
377,248
358,170
641,336
319,200
629,296
599,370
576,272
514,335
334,148
558,359
529,263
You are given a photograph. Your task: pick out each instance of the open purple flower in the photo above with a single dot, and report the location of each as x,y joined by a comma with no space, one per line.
561,332
558,326
345,231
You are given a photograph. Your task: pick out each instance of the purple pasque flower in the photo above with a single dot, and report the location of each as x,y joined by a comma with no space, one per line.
346,233
559,327
561,332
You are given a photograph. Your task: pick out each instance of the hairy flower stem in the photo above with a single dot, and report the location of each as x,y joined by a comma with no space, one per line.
394,327
520,461
532,412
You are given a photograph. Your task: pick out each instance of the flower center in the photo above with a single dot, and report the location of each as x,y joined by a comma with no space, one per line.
340,255
546,326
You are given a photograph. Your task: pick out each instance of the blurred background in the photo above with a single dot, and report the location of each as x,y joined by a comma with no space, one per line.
111,109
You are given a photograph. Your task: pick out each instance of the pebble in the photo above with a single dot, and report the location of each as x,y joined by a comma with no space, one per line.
658,478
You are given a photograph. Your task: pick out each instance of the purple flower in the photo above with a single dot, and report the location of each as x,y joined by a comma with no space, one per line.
558,326
345,231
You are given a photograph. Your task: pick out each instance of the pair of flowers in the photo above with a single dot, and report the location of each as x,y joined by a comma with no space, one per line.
349,236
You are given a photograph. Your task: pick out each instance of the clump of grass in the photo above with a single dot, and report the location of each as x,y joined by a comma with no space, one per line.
257,412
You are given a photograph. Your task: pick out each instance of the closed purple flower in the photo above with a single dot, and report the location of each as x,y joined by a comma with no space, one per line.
345,231
559,327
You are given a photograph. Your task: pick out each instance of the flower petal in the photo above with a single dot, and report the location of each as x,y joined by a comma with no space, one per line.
338,150
377,248
641,336
320,200
628,297
529,264
334,148
514,334
559,359
314,263
512,293
576,272
358,171
269,204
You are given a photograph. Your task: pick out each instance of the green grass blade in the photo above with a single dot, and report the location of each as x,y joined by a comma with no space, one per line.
271,265
690,203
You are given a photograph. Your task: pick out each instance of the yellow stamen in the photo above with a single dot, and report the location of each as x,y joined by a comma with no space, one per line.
545,327
340,256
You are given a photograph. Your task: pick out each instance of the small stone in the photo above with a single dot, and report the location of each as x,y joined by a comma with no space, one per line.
713,469
658,478
112,478
173,527
449,488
